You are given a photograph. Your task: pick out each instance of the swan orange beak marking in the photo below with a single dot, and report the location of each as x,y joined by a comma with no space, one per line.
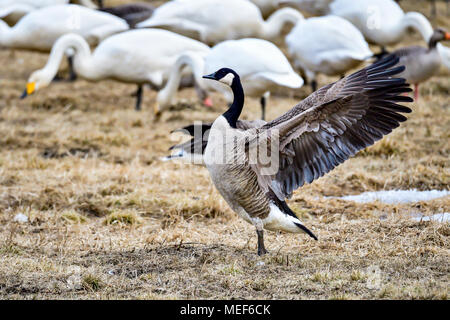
447,36
208,102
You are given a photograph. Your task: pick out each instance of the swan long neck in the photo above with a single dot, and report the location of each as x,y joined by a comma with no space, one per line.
61,46
5,34
418,22
233,113
196,62
275,23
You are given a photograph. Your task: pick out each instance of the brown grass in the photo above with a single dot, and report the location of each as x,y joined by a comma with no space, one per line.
107,219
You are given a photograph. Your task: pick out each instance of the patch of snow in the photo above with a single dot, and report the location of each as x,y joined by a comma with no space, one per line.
396,196
438,217
20,217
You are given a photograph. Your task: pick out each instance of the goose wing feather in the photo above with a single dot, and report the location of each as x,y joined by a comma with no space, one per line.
334,123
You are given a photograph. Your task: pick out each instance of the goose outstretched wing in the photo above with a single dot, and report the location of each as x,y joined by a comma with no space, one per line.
334,123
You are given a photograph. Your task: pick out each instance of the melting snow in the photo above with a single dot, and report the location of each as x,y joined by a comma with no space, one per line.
397,196
439,217
20,217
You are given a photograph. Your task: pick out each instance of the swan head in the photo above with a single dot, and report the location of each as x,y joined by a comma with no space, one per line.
225,75
36,81
439,34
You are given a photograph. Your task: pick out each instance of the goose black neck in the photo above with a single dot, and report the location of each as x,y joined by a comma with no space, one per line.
233,113
432,43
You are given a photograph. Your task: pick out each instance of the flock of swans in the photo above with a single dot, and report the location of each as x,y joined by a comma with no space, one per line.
330,44
232,43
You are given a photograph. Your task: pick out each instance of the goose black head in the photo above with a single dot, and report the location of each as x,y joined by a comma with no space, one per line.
439,34
224,75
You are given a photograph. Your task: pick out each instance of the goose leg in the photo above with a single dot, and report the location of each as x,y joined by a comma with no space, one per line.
261,249
263,107
100,4
72,75
139,97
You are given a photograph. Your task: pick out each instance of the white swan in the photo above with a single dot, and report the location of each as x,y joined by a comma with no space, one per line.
213,21
12,10
39,29
261,66
136,56
383,22
329,45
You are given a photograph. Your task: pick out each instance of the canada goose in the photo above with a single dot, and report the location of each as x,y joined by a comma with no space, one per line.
260,73
12,10
330,45
199,19
421,63
39,29
135,56
132,13
316,135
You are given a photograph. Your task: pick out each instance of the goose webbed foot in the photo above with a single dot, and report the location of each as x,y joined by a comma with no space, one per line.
261,248
138,98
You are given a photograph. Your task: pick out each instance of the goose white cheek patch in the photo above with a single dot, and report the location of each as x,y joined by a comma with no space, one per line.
228,79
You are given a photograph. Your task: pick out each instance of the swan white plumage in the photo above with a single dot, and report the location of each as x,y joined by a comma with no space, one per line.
39,29
213,21
381,21
385,23
261,65
12,10
136,56
329,45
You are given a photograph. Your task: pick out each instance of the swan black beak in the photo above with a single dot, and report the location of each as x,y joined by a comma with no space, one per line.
211,76
31,87
24,94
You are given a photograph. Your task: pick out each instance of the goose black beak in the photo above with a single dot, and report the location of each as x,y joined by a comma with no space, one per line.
24,94
211,76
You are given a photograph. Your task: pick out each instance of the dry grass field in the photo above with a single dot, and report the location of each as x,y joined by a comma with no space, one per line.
107,219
